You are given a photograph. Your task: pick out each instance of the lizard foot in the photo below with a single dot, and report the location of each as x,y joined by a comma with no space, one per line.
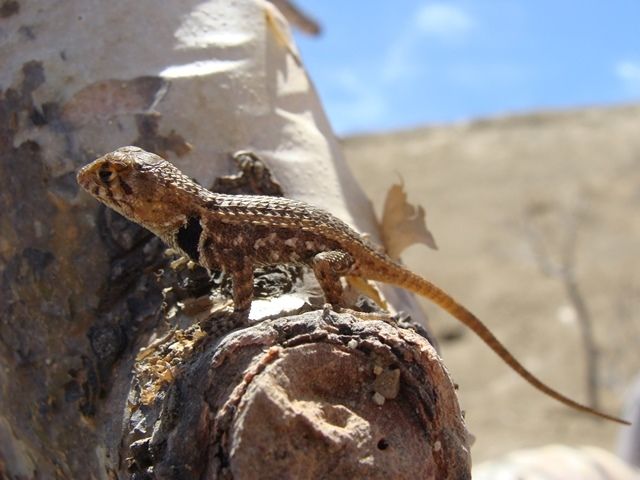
369,316
224,321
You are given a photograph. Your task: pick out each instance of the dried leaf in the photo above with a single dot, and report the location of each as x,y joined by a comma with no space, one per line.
280,29
403,224
297,17
364,287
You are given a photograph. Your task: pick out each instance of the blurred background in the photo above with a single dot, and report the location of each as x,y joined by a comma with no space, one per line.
390,65
517,126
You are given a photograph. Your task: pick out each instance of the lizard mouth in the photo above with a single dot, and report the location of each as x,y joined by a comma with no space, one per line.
82,177
87,179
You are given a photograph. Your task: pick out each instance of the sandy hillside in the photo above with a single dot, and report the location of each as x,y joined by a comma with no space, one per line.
509,201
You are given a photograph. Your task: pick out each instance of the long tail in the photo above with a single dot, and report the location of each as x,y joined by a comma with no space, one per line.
395,274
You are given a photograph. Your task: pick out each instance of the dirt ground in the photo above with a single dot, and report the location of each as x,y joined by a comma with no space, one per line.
512,202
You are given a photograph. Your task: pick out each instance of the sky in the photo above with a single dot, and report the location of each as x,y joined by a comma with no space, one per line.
381,65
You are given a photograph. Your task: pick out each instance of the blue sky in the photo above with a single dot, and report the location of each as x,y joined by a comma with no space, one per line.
393,64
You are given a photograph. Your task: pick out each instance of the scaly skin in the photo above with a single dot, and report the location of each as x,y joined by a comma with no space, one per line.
238,232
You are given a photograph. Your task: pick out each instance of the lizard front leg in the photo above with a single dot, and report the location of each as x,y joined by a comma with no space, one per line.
242,281
328,268
240,269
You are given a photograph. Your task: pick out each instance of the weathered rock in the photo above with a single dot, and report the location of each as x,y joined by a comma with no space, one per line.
294,398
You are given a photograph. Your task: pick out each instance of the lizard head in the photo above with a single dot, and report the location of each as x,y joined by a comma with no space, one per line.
141,186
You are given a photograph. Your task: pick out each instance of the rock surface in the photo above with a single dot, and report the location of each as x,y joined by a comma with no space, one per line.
297,396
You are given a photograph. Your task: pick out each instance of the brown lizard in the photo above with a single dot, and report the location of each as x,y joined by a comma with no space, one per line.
238,232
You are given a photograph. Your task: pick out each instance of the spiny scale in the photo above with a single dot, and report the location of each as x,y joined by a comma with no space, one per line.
238,232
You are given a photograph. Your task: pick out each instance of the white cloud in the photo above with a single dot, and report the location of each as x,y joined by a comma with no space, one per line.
434,21
358,103
480,75
443,21
400,59
629,73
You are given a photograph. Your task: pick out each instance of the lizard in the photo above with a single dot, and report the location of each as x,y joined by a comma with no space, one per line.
236,233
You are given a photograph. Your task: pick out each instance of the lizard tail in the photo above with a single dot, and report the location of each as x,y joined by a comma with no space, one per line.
423,287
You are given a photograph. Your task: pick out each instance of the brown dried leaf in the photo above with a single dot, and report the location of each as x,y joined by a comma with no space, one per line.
403,224
297,17
363,286
280,29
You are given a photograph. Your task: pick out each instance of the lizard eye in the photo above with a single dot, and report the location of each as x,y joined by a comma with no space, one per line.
106,175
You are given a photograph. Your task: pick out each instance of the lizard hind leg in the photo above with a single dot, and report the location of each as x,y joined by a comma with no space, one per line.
328,268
